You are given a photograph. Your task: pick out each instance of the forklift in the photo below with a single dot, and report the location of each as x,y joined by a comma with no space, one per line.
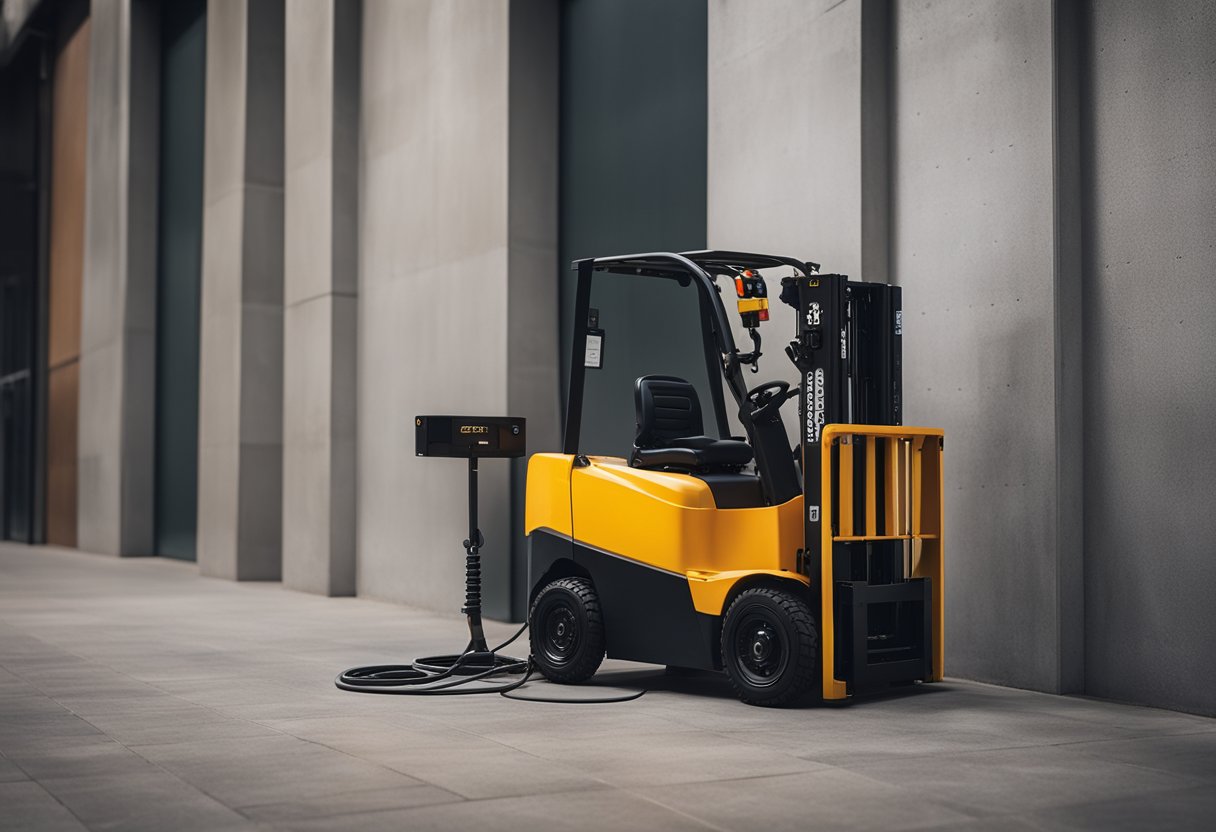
811,572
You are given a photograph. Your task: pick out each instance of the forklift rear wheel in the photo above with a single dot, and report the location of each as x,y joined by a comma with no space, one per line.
566,629
768,647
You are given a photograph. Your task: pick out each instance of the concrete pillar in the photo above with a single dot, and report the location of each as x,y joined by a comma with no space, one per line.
241,319
533,317
986,245
457,297
320,305
792,138
118,323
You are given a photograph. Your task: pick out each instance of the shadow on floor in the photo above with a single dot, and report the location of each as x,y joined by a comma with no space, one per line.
716,686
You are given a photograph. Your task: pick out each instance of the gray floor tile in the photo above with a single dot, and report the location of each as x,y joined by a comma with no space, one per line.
639,759
361,802
16,731
1001,823
9,772
379,739
1190,809
185,725
491,770
76,757
272,770
827,798
151,800
1189,755
1021,780
586,811
28,806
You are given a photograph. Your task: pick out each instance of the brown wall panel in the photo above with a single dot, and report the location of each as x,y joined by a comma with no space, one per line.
63,390
69,142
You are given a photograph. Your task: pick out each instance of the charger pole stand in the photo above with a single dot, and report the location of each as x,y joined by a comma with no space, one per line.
471,438
472,581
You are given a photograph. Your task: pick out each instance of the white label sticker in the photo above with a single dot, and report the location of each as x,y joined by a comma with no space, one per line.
814,409
814,514
594,355
899,322
812,314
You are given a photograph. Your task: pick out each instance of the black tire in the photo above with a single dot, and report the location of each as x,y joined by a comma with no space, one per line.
769,644
566,631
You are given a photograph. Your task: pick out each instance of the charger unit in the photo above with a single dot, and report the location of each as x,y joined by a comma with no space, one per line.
465,437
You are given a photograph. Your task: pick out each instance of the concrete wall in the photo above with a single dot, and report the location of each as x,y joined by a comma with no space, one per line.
974,237
241,318
118,323
1150,392
438,285
785,131
320,280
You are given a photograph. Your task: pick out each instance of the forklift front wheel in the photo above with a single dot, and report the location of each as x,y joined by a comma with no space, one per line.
768,647
566,630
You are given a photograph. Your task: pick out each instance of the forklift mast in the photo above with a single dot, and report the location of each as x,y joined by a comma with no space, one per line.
871,489
849,355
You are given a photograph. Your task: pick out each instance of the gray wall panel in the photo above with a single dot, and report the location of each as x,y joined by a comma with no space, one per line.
118,323
974,234
321,115
633,171
241,305
444,246
179,253
1150,476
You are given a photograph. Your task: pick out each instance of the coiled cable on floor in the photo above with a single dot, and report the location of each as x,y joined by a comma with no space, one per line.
448,675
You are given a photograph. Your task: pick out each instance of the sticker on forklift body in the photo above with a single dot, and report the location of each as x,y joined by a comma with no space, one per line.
813,512
814,406
594,355
812,314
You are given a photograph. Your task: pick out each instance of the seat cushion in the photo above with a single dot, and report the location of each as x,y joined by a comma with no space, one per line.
693,453
669,430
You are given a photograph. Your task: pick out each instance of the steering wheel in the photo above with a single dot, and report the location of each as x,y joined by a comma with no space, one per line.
766,398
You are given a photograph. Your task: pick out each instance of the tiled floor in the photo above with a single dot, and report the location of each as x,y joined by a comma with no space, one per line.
136,695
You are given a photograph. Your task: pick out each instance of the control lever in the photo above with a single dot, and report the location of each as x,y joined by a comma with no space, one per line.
800,356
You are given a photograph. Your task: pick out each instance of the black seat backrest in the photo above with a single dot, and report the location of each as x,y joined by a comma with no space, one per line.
667,409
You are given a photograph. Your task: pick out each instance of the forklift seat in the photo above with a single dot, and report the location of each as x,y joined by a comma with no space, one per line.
670,432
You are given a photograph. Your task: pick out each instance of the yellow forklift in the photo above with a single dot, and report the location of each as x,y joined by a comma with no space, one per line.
805,572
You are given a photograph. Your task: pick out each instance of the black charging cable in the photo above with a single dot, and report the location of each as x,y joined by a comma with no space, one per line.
449,675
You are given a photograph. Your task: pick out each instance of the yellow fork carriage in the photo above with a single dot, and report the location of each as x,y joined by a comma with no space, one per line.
813,572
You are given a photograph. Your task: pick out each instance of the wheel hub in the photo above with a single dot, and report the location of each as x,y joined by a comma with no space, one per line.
762,646
760,653
561,634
